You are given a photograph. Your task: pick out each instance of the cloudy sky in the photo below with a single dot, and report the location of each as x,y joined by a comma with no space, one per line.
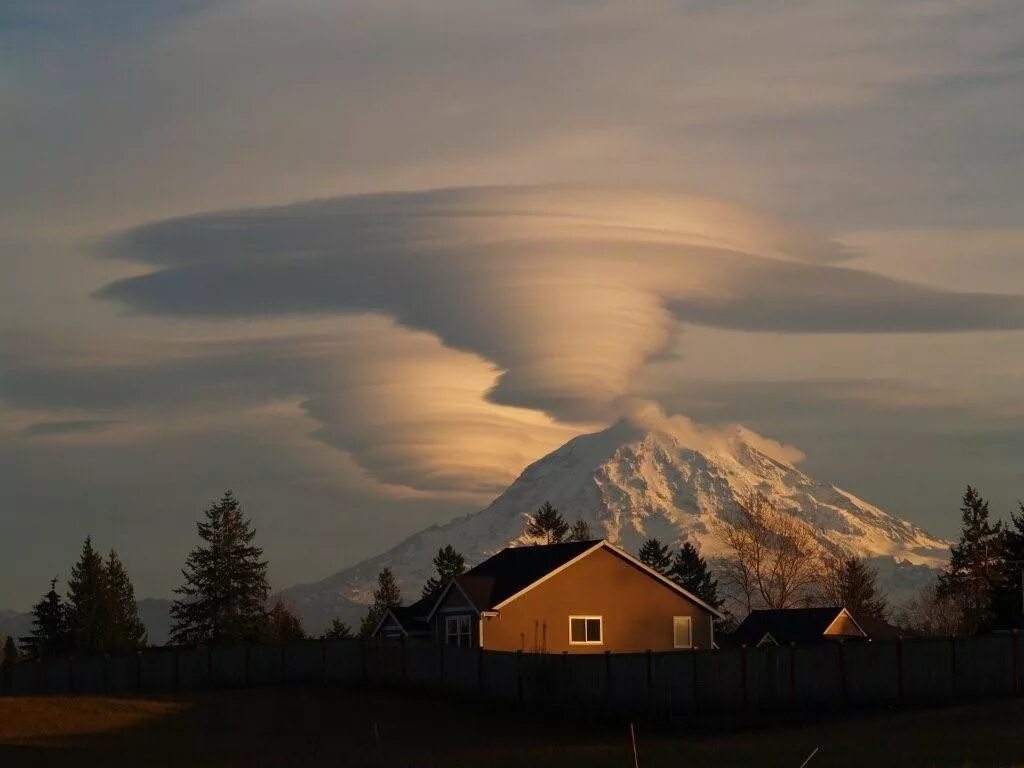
363,261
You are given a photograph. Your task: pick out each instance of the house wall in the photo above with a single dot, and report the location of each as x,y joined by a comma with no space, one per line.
636,610
843,626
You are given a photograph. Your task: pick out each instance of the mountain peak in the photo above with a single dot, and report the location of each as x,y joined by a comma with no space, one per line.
647,475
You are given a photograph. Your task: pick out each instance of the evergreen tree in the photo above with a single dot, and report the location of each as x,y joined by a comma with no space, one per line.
1007,601
387,595
10,652
338,630
580,530
50,636
547,525
282,625
88,604
448,565
973,564
656,556
852,584
690,571
126,631
225,589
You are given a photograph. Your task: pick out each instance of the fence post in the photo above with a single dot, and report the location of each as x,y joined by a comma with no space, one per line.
246,674
696,691
138,671
71,674
401,660
952,660
743,674
900,691
792,674
519,676
440,666
480,672
209,666
323,660
608,681
650,683
842,674
1014,642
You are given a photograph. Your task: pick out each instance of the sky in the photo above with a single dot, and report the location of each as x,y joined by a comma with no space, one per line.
362,262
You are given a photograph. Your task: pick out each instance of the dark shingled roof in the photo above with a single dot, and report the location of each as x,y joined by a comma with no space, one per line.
788,625
515,568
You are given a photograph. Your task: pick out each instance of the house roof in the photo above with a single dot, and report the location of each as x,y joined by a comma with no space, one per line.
799,625
514,570
411,618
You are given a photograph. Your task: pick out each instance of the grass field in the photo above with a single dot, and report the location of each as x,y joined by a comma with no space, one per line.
330,727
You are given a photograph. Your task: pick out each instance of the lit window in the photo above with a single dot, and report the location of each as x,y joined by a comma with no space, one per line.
458,631
585,630
682,632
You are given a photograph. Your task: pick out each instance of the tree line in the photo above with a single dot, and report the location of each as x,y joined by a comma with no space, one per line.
771,559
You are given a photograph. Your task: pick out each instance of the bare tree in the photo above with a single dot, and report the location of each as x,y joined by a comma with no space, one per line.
932,614
773,558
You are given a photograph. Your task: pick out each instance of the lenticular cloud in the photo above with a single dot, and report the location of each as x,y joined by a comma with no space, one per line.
567,291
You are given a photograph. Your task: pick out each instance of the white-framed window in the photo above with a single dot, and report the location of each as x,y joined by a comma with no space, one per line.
586,630
682,632
458,630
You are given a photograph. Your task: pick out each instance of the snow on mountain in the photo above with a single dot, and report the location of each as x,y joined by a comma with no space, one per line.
647,475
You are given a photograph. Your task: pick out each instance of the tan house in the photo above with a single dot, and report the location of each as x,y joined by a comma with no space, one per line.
578,597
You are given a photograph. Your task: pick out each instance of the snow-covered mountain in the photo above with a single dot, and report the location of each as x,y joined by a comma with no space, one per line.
647,475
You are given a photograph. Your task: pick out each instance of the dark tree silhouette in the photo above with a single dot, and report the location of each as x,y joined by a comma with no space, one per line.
448,565
387,595
580,530
282,625
126,632
656,556
690,571
10,652
225,588
1007,602
547,525
50,635
852,584
338,630
88,606
973,568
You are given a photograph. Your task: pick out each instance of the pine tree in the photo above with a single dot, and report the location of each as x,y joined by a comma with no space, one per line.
225,589
547,525
282,625
1007,601
690,571
387,595
50,636
338,630
448,564
88,604
850,583
580,530
126,630
973,563
656,556
10,652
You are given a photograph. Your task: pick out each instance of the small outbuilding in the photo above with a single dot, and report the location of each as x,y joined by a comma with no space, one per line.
808,625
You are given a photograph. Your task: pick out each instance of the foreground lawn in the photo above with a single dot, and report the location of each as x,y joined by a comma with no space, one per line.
331,727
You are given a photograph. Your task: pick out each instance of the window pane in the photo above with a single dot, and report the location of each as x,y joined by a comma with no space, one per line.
681,637
577,630
594,630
